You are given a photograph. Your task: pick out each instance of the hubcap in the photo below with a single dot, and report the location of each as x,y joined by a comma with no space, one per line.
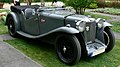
10,26
64,49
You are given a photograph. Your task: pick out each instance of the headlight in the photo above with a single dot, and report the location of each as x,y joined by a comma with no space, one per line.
80,25
99,22
100,25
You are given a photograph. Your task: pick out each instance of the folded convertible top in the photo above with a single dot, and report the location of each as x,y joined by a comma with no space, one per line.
22,8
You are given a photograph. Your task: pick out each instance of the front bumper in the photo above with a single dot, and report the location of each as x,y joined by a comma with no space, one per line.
95,48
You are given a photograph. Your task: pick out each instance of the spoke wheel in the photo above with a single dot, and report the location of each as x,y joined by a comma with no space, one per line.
68,49
109,39
11,27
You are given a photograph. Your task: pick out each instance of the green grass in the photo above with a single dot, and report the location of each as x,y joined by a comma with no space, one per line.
116,26
4,10
114,11
3,28
97,16
45,54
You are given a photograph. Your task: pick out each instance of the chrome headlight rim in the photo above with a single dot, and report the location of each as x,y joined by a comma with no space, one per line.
100,22
80,25
100,25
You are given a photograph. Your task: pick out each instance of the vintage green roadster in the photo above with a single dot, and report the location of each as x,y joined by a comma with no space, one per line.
73,35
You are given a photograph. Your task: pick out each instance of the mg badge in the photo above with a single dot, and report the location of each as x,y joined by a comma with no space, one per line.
42,20
87,28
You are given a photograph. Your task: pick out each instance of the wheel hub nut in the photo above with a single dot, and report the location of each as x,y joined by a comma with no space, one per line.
64,49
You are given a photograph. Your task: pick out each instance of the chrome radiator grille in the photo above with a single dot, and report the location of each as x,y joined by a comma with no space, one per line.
90,33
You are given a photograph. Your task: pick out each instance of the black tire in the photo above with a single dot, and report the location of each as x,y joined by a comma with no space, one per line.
68,49
109,39
11,27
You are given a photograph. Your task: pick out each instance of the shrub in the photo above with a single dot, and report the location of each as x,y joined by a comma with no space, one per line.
78,5
101,3
115,4
107,4
93,6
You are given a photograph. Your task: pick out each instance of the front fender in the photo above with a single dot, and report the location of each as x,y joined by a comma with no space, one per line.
15,18
69,30
105,24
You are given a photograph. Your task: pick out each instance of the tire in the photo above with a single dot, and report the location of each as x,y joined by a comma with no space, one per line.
68,49
11,27
109,39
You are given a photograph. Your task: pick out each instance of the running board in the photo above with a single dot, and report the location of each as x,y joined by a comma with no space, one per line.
28,35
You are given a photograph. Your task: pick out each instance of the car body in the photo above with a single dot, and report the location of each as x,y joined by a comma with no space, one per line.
73,35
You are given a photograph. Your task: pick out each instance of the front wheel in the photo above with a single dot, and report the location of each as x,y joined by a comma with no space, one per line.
109,39
68,49
11,27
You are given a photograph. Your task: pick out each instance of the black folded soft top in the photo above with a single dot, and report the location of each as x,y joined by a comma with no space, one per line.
22,8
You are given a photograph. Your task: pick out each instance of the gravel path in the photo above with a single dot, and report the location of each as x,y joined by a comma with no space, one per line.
6,37
11,57
115,18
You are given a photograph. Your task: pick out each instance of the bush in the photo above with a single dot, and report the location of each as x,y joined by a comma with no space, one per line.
101,3
93,6
114,4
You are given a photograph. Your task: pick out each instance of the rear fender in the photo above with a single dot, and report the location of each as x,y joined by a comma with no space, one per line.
15,18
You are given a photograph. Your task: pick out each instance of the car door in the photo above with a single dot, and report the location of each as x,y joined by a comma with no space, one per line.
31,25
49,22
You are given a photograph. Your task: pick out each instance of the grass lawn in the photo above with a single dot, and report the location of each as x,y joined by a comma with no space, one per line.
114,11
4,10
97,16
116,26
3,28
45,54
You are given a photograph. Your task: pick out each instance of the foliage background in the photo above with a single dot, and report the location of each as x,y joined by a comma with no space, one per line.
24,0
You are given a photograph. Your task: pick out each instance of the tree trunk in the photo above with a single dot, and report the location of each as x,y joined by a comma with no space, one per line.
82,11
42,3
28,2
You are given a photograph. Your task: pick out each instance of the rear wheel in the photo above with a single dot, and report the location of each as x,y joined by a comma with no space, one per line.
109,39
68,49
11,27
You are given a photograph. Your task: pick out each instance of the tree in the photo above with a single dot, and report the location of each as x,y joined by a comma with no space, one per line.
78,5
30,1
